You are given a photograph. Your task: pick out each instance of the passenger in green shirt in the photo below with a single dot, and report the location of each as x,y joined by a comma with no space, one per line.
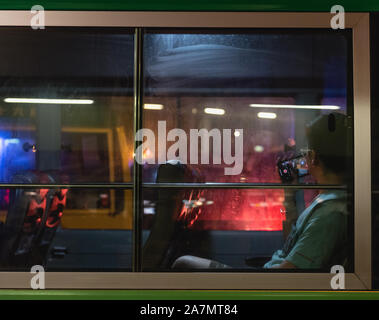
319,238
318,235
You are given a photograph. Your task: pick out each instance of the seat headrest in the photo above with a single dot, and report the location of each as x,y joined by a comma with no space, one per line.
175,171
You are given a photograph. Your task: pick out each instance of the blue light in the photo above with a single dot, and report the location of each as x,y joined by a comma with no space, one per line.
13,140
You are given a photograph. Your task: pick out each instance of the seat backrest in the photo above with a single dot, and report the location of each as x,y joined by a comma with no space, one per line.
54,212
25,218
32,219
159,249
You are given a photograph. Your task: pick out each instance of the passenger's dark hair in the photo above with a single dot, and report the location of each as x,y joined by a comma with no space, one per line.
329,136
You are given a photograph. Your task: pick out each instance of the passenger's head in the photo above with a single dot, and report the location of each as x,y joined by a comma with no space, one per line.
330,148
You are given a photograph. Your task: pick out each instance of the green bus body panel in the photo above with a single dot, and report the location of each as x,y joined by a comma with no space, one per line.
184,295
193,5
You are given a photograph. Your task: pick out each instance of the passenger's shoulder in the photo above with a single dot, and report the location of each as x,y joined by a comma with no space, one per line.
332,208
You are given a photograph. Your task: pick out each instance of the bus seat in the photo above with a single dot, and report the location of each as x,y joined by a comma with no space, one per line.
24,220
33,216
54,213
163,243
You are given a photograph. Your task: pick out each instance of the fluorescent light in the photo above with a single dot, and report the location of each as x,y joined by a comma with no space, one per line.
293,106
258,148
217,111
153,106
48,101
267,115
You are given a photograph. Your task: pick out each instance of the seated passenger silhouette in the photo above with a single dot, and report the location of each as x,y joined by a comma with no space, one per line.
319,238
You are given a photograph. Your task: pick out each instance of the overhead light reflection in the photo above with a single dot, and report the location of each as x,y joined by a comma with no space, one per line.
294,106
258,148
267,115
48,101
153,106
217,111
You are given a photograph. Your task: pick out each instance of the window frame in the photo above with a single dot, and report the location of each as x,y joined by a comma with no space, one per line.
360,279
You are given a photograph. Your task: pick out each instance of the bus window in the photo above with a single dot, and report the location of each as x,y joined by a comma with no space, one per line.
248,101
66,119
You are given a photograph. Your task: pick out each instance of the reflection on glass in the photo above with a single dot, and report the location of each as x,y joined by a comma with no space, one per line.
265,86
65,229
68,106
245,229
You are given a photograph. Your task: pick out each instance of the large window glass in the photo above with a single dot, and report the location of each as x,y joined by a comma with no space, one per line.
255,109
66,118
243,161
66,103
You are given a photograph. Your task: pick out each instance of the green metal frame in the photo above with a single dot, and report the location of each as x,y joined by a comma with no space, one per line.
193,5
184,295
